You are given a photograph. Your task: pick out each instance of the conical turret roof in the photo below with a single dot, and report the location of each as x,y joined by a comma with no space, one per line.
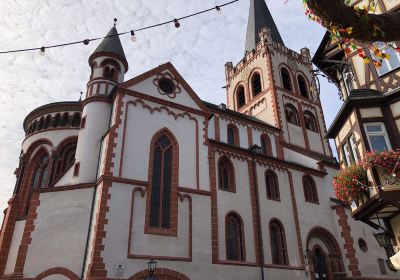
111,46
259,17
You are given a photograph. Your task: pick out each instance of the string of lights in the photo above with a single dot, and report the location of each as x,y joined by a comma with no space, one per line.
132,32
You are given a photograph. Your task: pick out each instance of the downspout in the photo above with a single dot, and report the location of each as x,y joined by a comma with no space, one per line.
260,240
95,191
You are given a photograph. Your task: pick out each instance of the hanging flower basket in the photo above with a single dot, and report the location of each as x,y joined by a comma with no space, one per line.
387,161
350,182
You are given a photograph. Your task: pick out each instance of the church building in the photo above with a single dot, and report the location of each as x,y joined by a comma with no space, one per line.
142,171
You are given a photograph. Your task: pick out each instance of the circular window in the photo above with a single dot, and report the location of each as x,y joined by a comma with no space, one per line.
363,245
166,85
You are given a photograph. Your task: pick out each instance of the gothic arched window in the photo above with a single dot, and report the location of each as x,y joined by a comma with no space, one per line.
266,145
310,121
76,120
64,120
291,114
278,243
40,171
41,123
160,203
310,189
240,97
226,175
66,158
272,185
256,84
286,79
302,86
235,249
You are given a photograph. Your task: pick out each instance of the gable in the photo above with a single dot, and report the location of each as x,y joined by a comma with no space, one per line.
152,83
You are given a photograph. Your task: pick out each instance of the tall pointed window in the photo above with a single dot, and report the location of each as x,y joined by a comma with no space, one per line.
41,171
310,190
272,185
286,80
278,243
291,114
66,158
303,86
310,121
234,238
256,84
240,97
160,204
226,175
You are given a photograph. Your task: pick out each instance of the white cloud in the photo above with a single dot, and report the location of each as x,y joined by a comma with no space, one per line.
199,50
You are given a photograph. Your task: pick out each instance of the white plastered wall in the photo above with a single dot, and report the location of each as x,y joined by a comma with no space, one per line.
15,242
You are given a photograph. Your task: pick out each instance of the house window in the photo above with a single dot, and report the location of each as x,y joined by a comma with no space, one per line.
76,120
310,121
350,151
41,172
64,121
66,158
266,145
233,135
226,173
256,84
278,243
362,244
240,97
303,86
286,80
291,114
57,120
272,185
387,64
47,122
377,137
161,183
234,238
310,190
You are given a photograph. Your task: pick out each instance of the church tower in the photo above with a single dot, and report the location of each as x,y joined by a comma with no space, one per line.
276,85
108,67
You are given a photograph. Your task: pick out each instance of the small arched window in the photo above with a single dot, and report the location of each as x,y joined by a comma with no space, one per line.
303,86
47,122
310,121
233,135
57,120
286,80
272,185
35,126
162,162
291,114
64,120
226,175
76,120
41,123
310,190
240,97
256,84
266,145
41,171
235,249
278,243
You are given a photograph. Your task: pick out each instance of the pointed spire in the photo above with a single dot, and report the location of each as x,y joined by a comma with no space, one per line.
111,46
259,17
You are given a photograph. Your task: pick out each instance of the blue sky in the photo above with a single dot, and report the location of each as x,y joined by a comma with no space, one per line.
199,50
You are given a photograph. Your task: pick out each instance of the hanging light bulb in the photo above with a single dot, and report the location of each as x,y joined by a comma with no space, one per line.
42,51
177,24
219,10
133,36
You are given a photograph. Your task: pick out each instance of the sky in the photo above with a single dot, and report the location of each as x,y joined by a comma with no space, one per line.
199,50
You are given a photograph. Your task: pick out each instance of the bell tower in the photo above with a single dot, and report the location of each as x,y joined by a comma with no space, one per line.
276,85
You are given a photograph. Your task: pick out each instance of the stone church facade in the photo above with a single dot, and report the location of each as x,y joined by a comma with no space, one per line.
143,169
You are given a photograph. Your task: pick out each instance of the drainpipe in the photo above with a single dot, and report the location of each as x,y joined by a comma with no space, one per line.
255,149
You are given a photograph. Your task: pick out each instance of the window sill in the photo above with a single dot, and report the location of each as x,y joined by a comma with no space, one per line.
313,202
274,199
230,191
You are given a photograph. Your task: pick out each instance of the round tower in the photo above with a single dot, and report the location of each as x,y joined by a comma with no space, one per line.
108,67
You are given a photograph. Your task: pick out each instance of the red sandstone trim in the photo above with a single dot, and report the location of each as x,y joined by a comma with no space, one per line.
59,271
161,273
